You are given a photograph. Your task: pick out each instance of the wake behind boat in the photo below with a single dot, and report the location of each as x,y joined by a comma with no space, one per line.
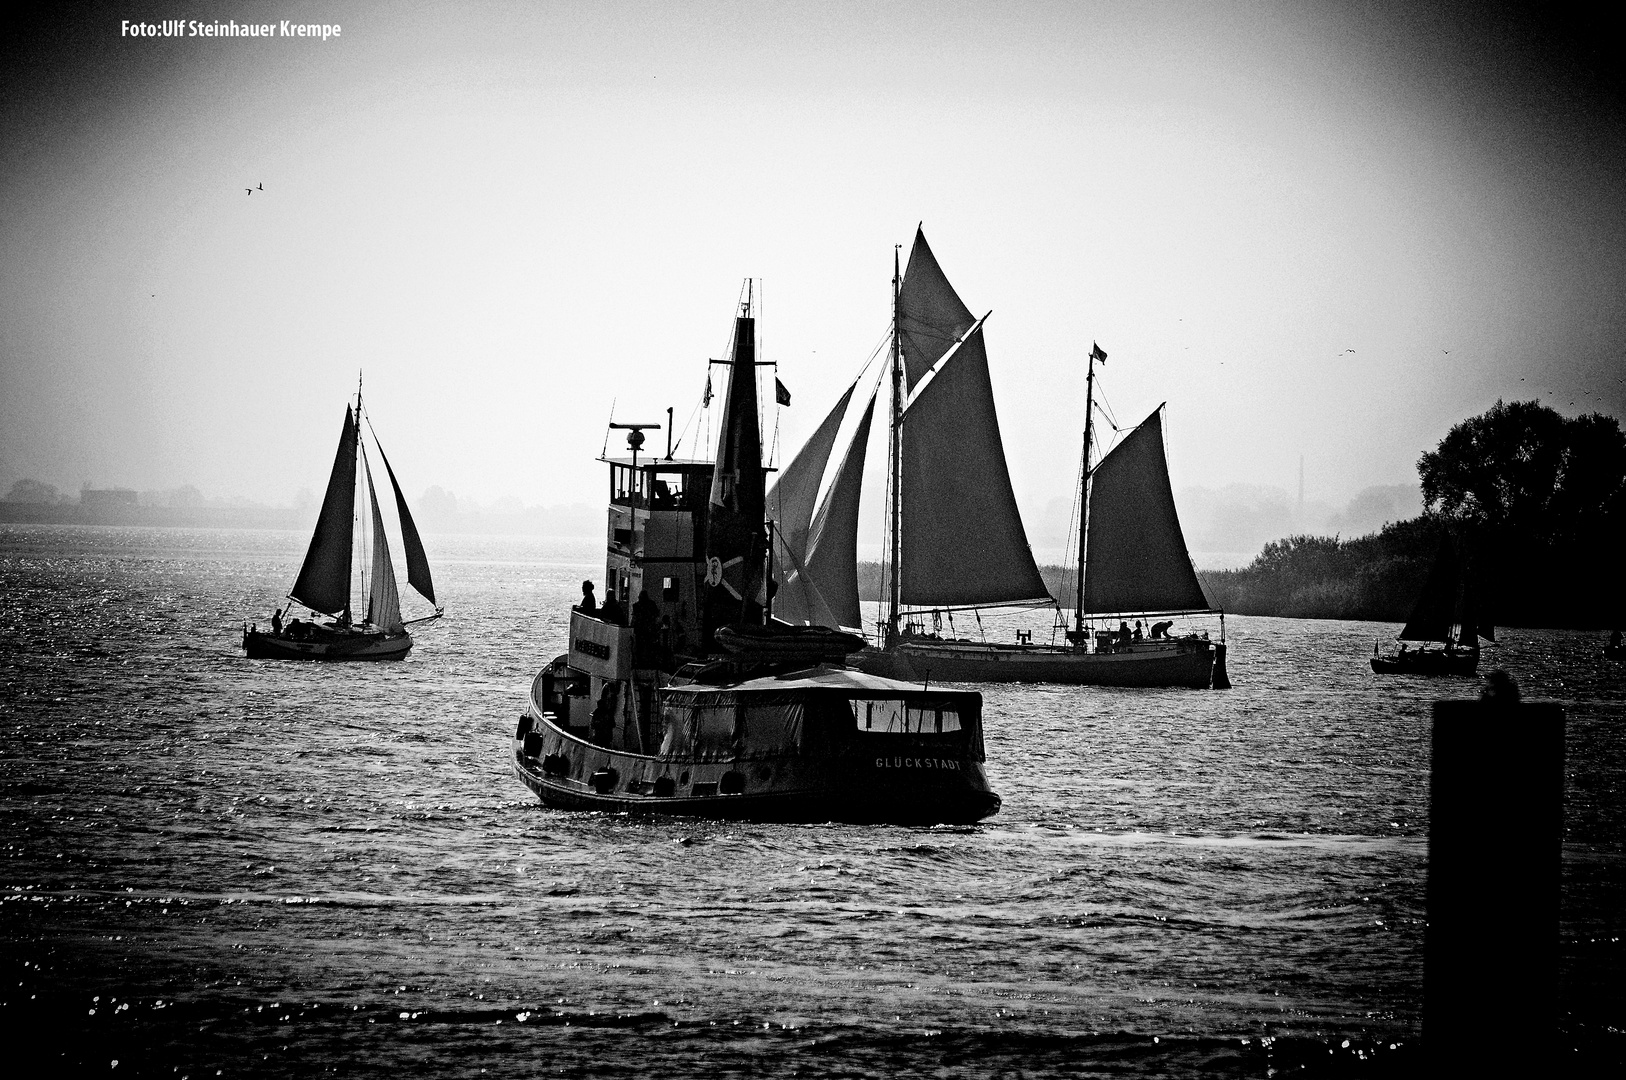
325,579
695,702
955,539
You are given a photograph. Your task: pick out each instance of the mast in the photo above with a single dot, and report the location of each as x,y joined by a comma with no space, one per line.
896,454
1084,496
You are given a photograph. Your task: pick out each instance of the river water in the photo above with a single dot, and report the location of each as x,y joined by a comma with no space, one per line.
217,866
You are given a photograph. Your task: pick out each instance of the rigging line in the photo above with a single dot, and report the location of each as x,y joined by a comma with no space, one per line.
604,451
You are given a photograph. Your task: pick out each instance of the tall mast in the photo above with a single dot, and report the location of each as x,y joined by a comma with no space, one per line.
1084,495
896,454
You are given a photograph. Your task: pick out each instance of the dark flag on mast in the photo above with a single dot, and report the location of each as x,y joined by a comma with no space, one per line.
781,396
1098,353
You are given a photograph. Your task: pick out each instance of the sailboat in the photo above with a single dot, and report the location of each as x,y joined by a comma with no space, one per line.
325,579
955,539
1446,621
698,702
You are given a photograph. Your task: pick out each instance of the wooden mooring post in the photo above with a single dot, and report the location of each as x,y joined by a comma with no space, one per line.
1496,821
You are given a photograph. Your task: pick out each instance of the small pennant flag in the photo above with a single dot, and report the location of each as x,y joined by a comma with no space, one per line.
705,399
1098,353
780,394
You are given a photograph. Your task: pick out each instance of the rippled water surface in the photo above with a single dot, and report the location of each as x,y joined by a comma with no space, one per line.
262,867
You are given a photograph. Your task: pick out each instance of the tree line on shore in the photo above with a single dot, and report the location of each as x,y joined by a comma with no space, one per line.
1535,503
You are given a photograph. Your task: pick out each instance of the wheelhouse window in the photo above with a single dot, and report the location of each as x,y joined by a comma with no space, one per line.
901,717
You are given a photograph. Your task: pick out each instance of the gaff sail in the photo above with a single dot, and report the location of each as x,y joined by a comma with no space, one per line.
960,534
1439,604
1137,559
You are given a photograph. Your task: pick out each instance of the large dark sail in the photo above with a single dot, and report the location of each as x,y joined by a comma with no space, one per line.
1137,553
1438,606
417,561
324,580
931,315
962,539
735,536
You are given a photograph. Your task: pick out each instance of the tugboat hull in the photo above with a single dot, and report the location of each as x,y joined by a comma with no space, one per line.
1180,662
851,776
360,646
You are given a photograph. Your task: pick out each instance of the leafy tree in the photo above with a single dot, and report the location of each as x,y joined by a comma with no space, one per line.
33,491
1525,468
1540,502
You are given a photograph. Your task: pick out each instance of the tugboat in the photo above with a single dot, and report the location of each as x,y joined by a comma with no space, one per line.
682,695
324,581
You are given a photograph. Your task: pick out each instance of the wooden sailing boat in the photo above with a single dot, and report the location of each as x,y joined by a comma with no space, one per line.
955,538
325,579
704,706
1445,621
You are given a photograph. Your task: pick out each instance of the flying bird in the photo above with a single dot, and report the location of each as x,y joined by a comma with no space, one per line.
257,187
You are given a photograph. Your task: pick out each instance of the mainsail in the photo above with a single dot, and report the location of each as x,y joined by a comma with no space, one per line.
417,561
1439,606
931,316
1137,559
383,598
324,579
961,535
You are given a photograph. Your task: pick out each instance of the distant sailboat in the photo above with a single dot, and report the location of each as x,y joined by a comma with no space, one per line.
325,579
955,538
1446,617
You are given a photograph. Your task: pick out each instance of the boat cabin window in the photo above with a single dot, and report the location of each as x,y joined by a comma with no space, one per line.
892,715
621,484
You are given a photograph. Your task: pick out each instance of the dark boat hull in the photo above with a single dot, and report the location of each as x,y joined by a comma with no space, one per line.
1428,662
1181,662
866,782
355,646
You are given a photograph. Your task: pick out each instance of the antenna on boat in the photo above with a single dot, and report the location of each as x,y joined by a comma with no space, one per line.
669,433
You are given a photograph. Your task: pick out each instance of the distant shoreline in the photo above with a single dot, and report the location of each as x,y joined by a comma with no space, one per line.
226,517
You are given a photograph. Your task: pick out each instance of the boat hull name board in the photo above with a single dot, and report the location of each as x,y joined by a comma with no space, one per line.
600,648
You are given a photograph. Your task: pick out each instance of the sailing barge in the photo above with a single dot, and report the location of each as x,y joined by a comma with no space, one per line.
325,580
696,702
1445,623
955,539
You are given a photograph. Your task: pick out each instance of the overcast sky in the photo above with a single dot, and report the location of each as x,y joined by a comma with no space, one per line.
1328,230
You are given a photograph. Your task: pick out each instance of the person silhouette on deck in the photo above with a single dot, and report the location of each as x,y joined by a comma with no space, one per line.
646,631
276,623
589,603
612,611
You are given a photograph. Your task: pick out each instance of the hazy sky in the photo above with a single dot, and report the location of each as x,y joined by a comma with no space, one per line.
1328,230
